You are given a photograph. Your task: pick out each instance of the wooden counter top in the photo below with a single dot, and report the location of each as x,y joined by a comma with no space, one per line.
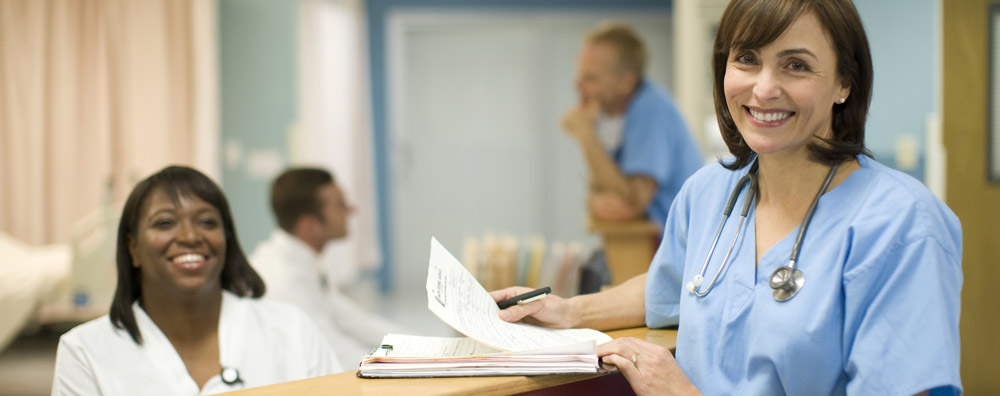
347,383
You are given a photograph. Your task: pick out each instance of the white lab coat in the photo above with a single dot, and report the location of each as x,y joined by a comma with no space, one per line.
291,271
266,341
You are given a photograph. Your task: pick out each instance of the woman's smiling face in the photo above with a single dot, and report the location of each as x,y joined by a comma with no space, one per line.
781,95
180,246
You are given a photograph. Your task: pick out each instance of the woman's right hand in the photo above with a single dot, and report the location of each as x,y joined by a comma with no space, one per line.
550,311
649,368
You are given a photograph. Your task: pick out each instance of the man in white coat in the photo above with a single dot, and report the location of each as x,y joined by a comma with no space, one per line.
311,210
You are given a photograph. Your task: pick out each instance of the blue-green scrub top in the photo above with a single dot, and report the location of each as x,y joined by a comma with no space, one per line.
877,315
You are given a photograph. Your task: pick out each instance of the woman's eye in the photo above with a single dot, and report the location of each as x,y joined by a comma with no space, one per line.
747,59
163,223
210,223
798,66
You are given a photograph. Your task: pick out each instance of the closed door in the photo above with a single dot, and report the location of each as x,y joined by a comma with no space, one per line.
975,199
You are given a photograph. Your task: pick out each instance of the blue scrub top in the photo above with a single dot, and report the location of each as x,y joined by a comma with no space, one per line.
656,143
877,315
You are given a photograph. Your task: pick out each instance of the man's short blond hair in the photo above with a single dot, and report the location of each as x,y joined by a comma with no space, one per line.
631,50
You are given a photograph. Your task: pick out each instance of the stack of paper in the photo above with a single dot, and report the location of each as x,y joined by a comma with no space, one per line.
492,347
416,356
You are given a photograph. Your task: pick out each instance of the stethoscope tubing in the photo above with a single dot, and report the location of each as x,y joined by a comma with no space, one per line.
785,280
809,215
750,176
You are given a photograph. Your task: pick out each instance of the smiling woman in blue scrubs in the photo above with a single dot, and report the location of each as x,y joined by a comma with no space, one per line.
876,310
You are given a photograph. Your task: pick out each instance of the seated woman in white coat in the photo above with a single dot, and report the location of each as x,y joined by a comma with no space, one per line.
186,318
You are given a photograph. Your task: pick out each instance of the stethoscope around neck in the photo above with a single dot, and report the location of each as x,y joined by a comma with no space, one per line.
786,280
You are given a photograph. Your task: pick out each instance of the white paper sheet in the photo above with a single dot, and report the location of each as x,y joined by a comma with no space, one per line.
455,296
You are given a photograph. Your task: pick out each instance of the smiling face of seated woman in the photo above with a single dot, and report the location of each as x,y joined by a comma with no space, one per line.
179,246
782,94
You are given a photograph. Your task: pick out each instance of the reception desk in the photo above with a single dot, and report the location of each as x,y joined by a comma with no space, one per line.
347,383
628,246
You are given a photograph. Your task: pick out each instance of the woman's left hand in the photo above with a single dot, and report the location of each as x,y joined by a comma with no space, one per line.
649,368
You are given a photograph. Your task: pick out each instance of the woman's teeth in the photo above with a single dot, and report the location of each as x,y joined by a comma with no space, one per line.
768,117
188,258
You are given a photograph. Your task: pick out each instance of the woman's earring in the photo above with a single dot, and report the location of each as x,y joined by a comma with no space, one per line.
842,100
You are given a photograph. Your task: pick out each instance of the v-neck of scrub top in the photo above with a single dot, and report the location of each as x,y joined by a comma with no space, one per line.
746,277
170,363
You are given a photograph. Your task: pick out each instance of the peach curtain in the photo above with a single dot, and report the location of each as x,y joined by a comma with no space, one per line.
94,96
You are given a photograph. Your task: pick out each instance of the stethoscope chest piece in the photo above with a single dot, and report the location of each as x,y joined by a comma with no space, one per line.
230,376
786,282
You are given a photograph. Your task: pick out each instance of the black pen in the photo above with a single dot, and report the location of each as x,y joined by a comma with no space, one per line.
524,298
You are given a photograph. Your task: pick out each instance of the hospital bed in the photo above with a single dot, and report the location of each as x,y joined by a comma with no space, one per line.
59,283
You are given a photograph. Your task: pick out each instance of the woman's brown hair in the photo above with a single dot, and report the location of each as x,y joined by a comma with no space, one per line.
752,24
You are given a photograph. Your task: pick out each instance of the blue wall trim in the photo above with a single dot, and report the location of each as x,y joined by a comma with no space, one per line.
377,11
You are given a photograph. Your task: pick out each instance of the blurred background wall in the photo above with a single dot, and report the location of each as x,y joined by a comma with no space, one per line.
441,116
